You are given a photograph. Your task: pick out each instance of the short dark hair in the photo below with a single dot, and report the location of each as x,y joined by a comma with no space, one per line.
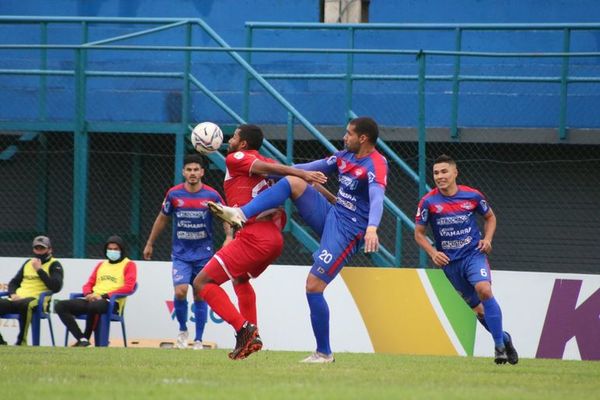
252,134
193,159
444,158
366,126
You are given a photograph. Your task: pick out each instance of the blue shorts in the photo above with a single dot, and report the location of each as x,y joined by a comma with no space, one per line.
463,274
339,240
184,272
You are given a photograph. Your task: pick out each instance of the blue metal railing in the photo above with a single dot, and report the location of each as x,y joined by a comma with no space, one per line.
456,78
80,125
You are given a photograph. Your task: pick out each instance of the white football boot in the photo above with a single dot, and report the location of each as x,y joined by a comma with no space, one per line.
182,340
318,358
232,215
197,345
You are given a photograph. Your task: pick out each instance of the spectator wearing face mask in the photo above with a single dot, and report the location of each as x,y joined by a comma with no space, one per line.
115,275
40,273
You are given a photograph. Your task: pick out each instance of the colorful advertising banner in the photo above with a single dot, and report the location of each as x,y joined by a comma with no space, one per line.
384,310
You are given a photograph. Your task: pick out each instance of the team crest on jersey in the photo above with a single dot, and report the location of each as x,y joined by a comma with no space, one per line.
358,172
238,155
342,165
467,205
371,176
180,203
438,208
484,204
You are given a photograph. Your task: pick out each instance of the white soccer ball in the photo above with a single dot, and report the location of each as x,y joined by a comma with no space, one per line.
207,137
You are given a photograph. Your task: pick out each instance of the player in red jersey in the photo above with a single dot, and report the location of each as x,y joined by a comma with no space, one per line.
255,246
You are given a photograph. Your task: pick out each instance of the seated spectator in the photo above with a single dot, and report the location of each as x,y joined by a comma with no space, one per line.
39,274
115,275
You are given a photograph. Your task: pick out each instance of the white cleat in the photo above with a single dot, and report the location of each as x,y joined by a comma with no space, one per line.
232,215
197,345
318,358
182,340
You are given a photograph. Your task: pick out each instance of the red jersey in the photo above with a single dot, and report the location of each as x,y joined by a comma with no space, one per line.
241,185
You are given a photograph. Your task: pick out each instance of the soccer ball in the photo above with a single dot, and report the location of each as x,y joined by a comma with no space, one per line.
206,137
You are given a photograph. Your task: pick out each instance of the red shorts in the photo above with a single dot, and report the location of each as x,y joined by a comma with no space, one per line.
255,247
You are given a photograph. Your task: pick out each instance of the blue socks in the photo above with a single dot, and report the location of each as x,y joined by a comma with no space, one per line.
200,309
319,318
484,324
200,316
181,313
493,319
273,197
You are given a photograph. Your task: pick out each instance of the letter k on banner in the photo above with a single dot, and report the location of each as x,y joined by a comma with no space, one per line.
564,321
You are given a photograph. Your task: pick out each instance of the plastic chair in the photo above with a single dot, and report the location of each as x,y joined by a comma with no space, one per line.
103,330
39,313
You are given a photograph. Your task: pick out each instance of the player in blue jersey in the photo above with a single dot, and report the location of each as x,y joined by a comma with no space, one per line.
350,221
192,241
450,209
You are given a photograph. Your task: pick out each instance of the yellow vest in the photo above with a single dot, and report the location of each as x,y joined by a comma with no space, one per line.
110,277
32,285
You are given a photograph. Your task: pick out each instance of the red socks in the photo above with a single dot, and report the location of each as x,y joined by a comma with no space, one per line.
246,301
218,300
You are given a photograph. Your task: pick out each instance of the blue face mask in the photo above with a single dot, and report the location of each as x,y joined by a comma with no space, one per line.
113,255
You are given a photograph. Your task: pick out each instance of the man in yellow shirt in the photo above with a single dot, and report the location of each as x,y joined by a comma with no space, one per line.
115,275
39,274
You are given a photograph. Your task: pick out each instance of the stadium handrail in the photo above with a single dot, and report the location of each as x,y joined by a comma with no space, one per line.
293,114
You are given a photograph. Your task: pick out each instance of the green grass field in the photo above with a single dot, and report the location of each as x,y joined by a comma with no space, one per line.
110,373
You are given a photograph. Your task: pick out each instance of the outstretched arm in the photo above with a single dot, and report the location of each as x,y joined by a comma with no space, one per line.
323,165
263,168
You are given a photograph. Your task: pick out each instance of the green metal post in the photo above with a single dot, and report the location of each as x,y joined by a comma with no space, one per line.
41,214
455,86
41,217
247,79
422,140
349,72
80,159
185,107
398,250
43,66
289,155
136,178
564,85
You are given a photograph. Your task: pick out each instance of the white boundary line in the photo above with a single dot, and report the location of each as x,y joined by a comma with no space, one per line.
435,303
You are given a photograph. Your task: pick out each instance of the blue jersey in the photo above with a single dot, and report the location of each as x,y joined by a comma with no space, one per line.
453,221
356,175
192,221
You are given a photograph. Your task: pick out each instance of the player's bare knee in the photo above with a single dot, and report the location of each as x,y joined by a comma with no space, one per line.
315,285
485,293
181,292
297,185
484,290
